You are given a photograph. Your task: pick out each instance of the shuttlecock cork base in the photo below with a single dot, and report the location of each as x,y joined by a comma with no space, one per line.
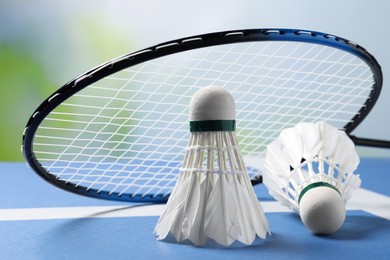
309,168
213,197
322,209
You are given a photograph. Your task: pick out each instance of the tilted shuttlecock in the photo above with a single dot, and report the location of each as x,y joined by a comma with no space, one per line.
213,197
309,168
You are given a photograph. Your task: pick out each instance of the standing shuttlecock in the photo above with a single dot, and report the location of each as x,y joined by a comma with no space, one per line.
213,197
309,168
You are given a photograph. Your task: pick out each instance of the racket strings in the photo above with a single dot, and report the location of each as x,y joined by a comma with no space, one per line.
127,133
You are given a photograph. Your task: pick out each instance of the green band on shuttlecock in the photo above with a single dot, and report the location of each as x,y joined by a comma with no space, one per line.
213,125
315,185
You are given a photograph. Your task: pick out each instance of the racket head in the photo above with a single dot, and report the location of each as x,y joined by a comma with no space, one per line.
131,113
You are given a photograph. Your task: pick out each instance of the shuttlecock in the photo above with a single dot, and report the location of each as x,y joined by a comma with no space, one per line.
213,197
309,168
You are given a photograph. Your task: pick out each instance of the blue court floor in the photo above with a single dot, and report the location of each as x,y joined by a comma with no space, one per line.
39,221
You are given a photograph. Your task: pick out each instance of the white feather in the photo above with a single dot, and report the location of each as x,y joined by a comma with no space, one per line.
245,212
196,232
164,223
221,213
181,209
339,148
255,214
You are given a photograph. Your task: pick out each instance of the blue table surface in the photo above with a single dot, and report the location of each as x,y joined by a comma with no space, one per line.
363,235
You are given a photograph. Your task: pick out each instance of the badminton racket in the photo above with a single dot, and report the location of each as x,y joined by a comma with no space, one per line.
119,131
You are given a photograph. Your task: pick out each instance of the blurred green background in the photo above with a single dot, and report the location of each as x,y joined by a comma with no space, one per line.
44,44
